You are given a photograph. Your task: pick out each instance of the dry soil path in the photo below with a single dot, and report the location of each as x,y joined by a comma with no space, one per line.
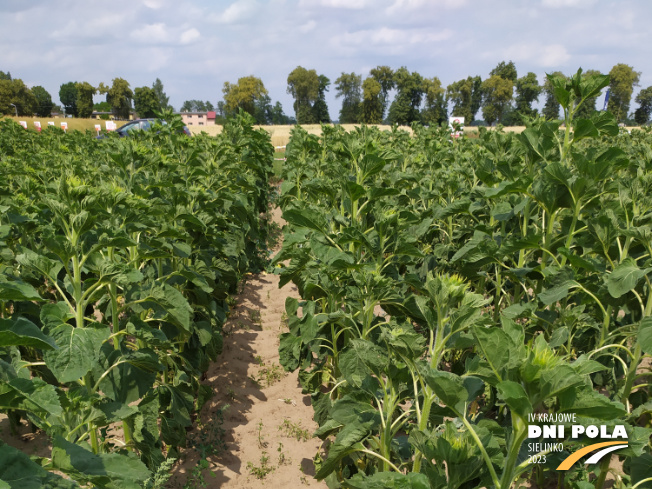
258,411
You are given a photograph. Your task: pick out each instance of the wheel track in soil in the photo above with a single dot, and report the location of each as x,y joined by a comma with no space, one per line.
251,352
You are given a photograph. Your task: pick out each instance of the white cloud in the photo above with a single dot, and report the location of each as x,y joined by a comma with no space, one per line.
308,26
153,4
151,33
158,60
554,55
389,41
105,25
568,3
189,36
389,36
402,5
545,56
349,4
237,12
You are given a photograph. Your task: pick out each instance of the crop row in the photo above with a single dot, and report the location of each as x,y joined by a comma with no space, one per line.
452,291
117,258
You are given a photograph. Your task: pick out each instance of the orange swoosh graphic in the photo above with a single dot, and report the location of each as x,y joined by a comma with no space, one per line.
574,457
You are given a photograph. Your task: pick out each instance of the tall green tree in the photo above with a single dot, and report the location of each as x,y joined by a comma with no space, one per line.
5,76
506,71
277,116
405,107
44,102
466,96
15,96
622,80
120,97
586,110
197,106
498,93
146,102
68,98
384,75
304,86
460,94
193,106
243,95
320,108
644,99
476,95
163,99
372,104
551,107
263,110
434,112
85,92
527,92
349,87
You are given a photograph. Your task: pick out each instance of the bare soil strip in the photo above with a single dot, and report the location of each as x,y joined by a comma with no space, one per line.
257,429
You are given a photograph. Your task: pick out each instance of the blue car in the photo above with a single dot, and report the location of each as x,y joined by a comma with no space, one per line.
142,125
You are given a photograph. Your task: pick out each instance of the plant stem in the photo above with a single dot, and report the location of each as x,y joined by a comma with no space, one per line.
631,375
485,455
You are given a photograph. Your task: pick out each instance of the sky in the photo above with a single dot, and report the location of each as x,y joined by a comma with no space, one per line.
195,46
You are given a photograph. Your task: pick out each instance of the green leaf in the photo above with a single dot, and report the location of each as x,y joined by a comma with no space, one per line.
589,403
625,277
561,94
557,293
115,411
53,315
46,266
131,373
350,410
78,351
165,302
18,291
454,391
352,433
32,395
107,470
18,471
494,343
606,123
354,190
641,470
361,360
22,332
389,480
584,366
335,454
515,397
584,128
644,335
558,337
590,85
290,351
305,218
559,379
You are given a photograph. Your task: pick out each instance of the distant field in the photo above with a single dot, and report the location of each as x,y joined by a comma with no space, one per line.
280,134
73,124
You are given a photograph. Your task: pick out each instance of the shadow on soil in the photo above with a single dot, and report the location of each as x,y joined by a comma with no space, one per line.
234,392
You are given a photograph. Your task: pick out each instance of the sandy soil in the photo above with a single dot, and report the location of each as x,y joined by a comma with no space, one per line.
258,410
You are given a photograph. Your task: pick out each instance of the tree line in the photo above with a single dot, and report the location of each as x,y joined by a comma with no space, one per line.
501,98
